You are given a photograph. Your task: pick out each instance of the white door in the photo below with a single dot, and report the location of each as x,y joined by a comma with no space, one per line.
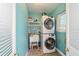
6,18
73,29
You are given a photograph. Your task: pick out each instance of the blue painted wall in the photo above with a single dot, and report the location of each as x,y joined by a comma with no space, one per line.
60,36
59,9
21,29
35,16
61,41
34,29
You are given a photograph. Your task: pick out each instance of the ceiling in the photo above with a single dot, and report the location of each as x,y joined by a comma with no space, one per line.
41,7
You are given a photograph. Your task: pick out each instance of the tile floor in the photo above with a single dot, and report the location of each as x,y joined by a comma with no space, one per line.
39,52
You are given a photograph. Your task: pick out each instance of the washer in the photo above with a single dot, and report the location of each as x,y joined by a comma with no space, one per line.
48,24
48,28
49,43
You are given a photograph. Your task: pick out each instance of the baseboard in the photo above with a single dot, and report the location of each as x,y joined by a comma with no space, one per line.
60,52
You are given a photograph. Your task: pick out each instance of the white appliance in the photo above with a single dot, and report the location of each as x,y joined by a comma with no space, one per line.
48,24
49,43
48,29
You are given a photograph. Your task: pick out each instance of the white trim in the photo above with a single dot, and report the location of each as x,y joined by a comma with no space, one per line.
14,29
60,52
67,29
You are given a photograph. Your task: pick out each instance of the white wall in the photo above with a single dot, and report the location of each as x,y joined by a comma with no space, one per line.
74,28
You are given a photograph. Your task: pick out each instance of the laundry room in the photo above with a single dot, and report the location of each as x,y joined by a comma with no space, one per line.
41,29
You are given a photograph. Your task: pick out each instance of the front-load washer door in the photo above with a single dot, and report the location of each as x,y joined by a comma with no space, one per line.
48,23
50,43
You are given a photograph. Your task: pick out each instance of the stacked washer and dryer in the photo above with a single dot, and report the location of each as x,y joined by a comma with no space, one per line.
48,29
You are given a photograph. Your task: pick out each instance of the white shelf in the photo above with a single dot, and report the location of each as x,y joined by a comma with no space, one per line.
34,25
34,22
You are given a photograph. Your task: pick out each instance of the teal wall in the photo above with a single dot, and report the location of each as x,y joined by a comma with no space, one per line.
35,16
21,29
34,29
59,9
60,36
61,41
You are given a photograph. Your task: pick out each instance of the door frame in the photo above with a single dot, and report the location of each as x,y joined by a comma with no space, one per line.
14,29
63,29
67,30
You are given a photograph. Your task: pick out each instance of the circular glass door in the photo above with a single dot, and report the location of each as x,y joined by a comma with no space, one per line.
50,43
48,23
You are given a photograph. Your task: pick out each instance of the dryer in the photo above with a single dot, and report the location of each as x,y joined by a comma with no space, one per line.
48,30
48,24
49,43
